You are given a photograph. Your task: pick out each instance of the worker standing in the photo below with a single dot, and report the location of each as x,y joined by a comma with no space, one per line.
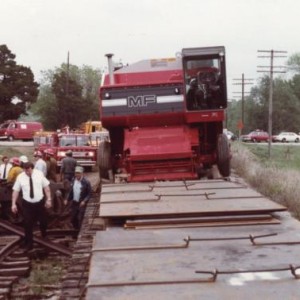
14,171
40,164
5,167
68,165
80,194
33,184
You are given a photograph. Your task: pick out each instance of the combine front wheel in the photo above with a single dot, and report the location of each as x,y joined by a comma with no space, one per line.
223,155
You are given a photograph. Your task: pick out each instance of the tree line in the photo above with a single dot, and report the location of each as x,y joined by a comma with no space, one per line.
66,95
286,103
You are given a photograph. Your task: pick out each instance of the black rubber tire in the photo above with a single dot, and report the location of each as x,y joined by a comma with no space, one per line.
10,138
223,155
104,159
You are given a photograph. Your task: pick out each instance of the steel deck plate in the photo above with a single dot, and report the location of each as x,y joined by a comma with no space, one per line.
189,206
153,273
190,198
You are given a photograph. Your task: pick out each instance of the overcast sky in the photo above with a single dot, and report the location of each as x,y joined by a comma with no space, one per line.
41,32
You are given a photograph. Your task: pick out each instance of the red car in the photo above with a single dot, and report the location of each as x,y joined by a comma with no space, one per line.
255,136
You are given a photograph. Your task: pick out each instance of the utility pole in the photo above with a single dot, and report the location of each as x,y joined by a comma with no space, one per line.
67,80
242,81
271,70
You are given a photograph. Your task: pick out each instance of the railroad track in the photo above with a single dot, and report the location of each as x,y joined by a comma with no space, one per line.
74,282
15,263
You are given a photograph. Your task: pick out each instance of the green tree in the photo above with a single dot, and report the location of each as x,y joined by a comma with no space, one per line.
58,107
293,63
18,90
70,106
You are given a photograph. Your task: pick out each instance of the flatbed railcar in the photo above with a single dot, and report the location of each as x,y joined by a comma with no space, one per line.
201,239
171,233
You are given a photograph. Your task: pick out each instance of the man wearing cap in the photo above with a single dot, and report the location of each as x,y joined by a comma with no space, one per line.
33,185
23,159
80,194
68,164
4,168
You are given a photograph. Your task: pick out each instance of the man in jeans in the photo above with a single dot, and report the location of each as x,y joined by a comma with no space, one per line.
32,183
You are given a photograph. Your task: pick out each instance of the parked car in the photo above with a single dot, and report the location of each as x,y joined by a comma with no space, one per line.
256,136
19,130
287,137
230,135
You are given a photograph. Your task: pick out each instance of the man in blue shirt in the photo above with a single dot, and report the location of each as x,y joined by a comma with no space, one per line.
80,194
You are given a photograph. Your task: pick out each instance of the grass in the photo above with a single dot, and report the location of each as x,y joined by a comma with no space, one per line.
17,151
286,157
44,281
277,178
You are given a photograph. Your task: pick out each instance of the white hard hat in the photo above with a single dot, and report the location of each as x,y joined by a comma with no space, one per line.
79,169
24,159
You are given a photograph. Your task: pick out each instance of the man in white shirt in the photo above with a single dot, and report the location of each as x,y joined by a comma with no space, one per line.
32,183
4,168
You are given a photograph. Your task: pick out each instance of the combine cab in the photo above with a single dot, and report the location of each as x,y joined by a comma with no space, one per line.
165,117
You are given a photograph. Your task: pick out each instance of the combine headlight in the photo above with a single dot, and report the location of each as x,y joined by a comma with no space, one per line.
90,154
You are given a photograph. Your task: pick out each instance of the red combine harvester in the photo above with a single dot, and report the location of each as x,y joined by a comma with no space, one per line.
165,117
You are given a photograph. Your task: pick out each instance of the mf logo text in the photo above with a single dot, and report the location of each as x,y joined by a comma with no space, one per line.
141,101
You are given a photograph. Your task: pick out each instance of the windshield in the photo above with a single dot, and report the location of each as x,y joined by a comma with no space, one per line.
74,140
205,82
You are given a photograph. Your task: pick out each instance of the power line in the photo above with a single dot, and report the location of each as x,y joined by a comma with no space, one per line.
242,81
271,69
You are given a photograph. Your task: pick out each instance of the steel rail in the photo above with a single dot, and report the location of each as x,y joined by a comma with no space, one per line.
131,200
214,274
185,195
133,248
128,191
9,248
252,239
157,282
290,268
227,238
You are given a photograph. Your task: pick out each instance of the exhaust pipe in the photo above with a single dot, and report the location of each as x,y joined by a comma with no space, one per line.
110,68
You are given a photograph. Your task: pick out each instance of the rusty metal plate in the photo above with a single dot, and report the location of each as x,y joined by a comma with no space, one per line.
201,222
124,196
189,207
170,273
194,198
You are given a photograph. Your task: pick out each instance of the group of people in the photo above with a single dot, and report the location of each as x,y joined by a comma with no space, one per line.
31,181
